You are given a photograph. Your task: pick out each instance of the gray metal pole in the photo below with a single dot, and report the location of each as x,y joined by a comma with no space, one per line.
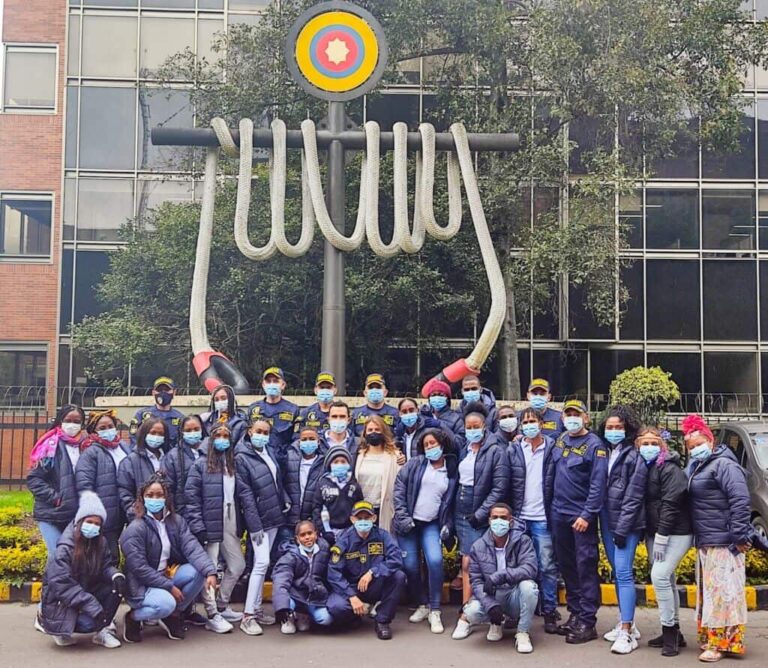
333,346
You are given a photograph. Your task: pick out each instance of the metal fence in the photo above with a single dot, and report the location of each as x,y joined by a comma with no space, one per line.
18,432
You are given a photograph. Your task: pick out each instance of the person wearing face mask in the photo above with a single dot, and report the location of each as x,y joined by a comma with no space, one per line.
438,406
163,391
316,415
473,392
720,512
375,393
166,568
366,569
264,505
300,581
483,481
423,497
410,429
574,492
213,515
529,458
340,431
278,412
539,397
82,588
502,569
622,519
668,531
336,492
96,471
303,469
224,410
177,462
51,477
142,463
509,424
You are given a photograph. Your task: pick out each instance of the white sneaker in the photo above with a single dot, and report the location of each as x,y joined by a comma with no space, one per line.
231,615
374,609
303,623
435,622
495,632
419,614
523,643
106,638
64,641
613,634
624,644
462,630
263,618
250,626
39,624
288,627
218,624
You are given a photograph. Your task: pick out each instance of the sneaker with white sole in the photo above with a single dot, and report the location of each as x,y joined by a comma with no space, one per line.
288,627
613,634
106,638
250,626
218,624
231,615
435,622
38,624
263,618
303,623
419,615
624,644
462,630
495,632
64,641
523,643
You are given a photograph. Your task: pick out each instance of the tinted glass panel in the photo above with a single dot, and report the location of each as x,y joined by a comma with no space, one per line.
25,227
109,46
672,299
730,300
633,316
164,37
604,366
683,162
730,382
686,372
672,218
738,164
764,300
107,128
566,371
762,218
22,368
104,207
163,108
91,266
728,219
30,79
631,218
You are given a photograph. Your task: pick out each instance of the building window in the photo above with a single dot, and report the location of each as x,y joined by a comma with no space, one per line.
25,226
672,219
24,374
29,78
730,300
672,299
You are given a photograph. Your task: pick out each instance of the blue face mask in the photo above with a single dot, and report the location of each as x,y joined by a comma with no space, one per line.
363,526
375,395
308,447
154,505
324,396
259,441
307,550
531,429
508,424
700,453
272,389
221,443
339,471
338,426
499,527
409,419
154,441
474,435
433,454
107,434
471,395
538,401
192,437
573,422
90,530
649,452
438,402
615,436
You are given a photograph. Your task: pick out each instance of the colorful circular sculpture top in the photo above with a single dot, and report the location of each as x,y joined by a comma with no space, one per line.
336,51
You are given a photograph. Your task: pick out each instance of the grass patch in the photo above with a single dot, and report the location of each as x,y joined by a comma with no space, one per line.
18,499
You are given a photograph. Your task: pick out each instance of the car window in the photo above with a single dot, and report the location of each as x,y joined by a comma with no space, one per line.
761,449
734,442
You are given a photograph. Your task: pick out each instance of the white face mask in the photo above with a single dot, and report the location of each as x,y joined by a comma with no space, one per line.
71,428
221,406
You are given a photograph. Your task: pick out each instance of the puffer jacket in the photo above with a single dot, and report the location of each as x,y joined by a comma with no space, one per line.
521,565
52,483
719,498
261,496
142,548
238,424
488,399
624,505
422,424
132,473
667,511
176,470
406,493
491,478
205,510
518,472
450,419
295,577
301,506
64,595
96,472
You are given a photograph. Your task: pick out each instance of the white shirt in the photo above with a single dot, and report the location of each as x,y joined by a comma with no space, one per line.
467,469
304,468
434,484
154,459
533,501
370,475
73,452
228,483
501,558
117,454
165,552
613,457
408,441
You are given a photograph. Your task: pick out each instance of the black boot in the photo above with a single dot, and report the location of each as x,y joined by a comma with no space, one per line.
581,633
550,622
658,641
566,627
680,639
670,635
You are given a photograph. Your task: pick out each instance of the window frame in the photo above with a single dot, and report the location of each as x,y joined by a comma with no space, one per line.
28,347
31,196
27,47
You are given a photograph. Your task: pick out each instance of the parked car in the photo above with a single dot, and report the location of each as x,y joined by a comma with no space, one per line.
749,442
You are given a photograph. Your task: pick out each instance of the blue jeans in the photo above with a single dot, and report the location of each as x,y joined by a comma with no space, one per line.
425,535
159,603
545,555
319,614
51,534
621,560
517,602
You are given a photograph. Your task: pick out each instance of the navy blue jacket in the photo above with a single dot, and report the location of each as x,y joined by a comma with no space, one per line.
353,556
450,419
491,477
301,506
281,416
520,559
576,478
52,483
311,416
719,498
389,414
552,422
176,472
489,401
624,504
237,423
422,423
172,419
142,548
261,496
295,577
667,511
96,472
205,502
132,473
408,485
518,472
66,596
337,500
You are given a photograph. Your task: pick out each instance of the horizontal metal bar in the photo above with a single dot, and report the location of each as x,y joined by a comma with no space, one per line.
351,139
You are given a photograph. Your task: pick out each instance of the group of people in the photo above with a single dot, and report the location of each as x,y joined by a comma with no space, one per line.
351,509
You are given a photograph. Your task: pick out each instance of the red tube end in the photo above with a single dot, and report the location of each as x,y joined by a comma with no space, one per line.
215,369
453,373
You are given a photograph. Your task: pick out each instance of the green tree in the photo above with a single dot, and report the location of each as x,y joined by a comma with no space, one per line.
650,391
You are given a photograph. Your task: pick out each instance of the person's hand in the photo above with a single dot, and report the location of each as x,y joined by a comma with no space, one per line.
445,534
118,584
358,607
365,581
743,547
177,594
400,458
431,422
211,582
474,522
580,525
202,537
330,538
257,537
496,615
660,547
619,541
489,587
409,525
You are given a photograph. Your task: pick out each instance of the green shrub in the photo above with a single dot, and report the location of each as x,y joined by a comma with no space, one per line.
16,536
19,565
11,515
650,391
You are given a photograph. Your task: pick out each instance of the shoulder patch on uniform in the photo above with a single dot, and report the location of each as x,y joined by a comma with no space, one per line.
335,554
548,425
287,416
360,419
600,452
375,548
352,555
388,419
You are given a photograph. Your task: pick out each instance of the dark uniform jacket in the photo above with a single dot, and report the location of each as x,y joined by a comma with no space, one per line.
296,577
389,414
667,511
